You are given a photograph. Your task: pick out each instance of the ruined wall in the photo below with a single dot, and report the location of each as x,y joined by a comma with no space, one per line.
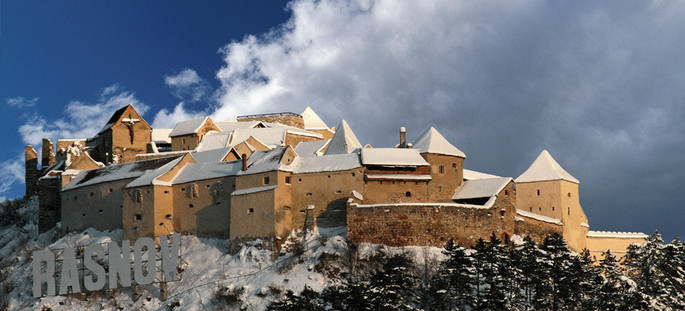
284,118
49,202
99,206
447,174
47,154
430,223
536,229
31,171
328,192
294,139
203,207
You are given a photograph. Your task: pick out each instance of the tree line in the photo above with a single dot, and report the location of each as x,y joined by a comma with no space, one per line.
493,275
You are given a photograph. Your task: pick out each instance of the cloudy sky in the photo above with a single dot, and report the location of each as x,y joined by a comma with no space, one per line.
596,84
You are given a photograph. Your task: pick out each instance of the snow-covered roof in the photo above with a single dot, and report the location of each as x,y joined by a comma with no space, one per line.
613,234
213,155
311,148
481,188
469,174
161,135
113,119
312,121
545,168
188,127
326,163
270,137
253,190
431,141
192,172
392,157
214,140
148,178
539,217
344,140
266,161
230,126
293,130
117,172
398,177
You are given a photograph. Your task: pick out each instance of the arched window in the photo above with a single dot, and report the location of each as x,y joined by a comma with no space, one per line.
408,194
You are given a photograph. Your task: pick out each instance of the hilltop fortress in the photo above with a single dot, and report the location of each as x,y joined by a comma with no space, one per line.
261,176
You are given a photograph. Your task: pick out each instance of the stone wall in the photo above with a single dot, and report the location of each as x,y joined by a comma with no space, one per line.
536,229
290,119
49,202
31,173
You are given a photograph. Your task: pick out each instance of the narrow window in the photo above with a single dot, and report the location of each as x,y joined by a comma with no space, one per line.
352,174
338,192
137,217
265,181
166,191
302,211
183,141
501,213
190,206
506,193
92,194
440,188
569,194
287,180
531,208
552,208
538,192
408,194
540,209
299,180
250,211
441,169
569,210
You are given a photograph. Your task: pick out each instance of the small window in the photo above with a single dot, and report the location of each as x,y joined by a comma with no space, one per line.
137,217
287,180
148,191
265,180
506,193
393,182
440,188
183,141
183,189
408,194
441,169
190,206
83,215
338,192
233,185
121,206
552,208
166,191
531,208
329,176
207,186
218,203
302,211
92,194
569,194
110,190
538,192
454,165
569,210
161,224
309,194
100,211
168,216
501,213
250,211
540,209
352,174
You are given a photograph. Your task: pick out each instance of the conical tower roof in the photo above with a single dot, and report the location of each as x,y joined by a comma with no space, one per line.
431,141
545,168
312,120
344,141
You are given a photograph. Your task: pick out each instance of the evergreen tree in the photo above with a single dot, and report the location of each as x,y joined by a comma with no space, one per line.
582,283
394,288
644,264
525,260
673,282
610,294
551,291
452,288
308,300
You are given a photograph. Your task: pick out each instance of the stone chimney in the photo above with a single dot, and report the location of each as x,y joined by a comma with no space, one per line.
244,158
403,137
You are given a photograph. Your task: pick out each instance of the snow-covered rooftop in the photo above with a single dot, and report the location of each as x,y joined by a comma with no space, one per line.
431,141
117,172
148,178
481,188
253,190
161,135
214,140
469,174
266,161
344,140
311,148
326,163
271,137
539,217
188,127
545,168
230,126
312,121
213,155
613,234
398,177
392,157
192,172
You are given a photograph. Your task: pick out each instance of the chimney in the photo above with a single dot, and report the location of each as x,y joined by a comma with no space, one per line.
244,158
403,137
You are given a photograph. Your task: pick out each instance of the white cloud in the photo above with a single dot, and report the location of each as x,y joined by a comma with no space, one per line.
13,173
82,119
187,85
20,102
166,119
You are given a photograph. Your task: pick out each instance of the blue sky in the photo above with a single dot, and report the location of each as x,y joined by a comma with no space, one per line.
598,85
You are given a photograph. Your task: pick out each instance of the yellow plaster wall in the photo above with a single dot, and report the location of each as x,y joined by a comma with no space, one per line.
99,206
443,185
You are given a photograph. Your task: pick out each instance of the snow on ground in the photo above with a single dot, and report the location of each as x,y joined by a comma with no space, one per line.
207,267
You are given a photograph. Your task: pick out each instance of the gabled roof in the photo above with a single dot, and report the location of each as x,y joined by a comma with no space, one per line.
149,177
213,155
344,140
188,127
312,120
231,125
545,168
214,140
392,157
118,172
266,161
326,163
192,172
270,137
469,174
481,188
431,141
117,114
311,148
